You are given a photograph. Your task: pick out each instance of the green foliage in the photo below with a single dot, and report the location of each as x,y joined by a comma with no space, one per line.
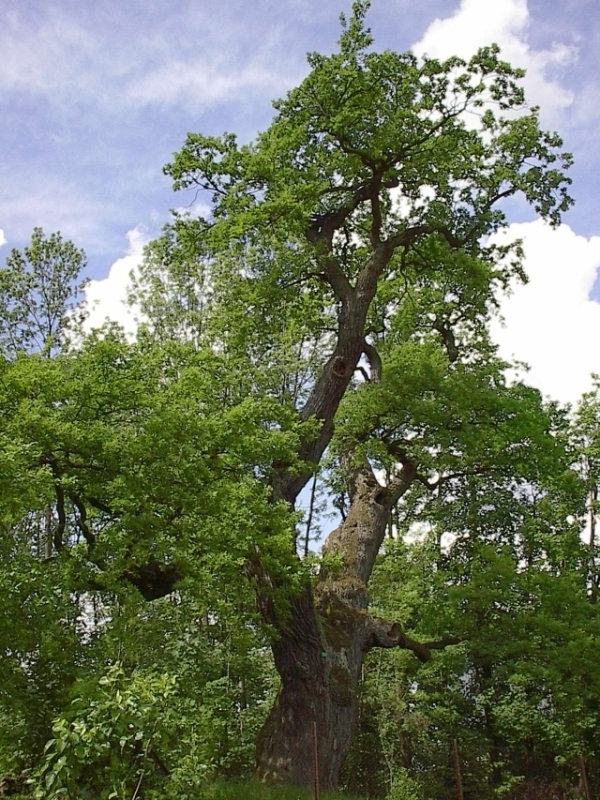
39,294
102,745
110,452
500,567
41,655
404,787
153,470
241,791
139,458
376,146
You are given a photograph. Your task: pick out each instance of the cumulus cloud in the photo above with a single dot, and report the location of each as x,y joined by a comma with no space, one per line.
107,299
551,323
503,22
2,237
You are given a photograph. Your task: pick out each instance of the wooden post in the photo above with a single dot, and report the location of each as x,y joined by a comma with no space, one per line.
315,762
584,781
457,775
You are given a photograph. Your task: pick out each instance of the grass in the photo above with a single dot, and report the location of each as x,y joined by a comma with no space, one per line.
248,790
258,791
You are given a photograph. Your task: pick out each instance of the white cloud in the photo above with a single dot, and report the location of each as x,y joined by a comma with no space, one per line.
62,55
551,323
2,237
107,298
201,83
52,55
477,23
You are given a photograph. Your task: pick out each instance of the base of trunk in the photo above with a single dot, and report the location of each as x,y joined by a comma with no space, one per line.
319,687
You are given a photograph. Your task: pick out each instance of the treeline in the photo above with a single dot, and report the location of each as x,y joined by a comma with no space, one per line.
132,648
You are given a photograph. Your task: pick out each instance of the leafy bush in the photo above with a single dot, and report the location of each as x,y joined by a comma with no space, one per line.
106,743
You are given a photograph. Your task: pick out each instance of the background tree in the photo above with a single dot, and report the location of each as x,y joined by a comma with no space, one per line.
587,439
98,436
40,294
505,567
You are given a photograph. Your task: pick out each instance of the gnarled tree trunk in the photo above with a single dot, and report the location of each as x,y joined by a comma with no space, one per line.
322,643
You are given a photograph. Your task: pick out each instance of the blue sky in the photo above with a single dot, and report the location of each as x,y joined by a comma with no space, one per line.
95,96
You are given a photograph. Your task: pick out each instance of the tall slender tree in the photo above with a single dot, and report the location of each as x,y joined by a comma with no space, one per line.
40,289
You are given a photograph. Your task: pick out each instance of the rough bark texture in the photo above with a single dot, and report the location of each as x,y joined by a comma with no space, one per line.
320,650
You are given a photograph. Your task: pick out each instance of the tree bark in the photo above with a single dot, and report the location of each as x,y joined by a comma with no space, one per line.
322,642
319,659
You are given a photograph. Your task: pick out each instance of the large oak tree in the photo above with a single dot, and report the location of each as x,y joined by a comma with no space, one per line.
347,267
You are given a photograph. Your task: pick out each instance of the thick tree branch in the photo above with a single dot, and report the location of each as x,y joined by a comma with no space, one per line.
364,373
410,235
374,361
400,484
358,539
376,221
323,226
153,580
100,506
337,280
432,485
383,633
331,384
445,331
